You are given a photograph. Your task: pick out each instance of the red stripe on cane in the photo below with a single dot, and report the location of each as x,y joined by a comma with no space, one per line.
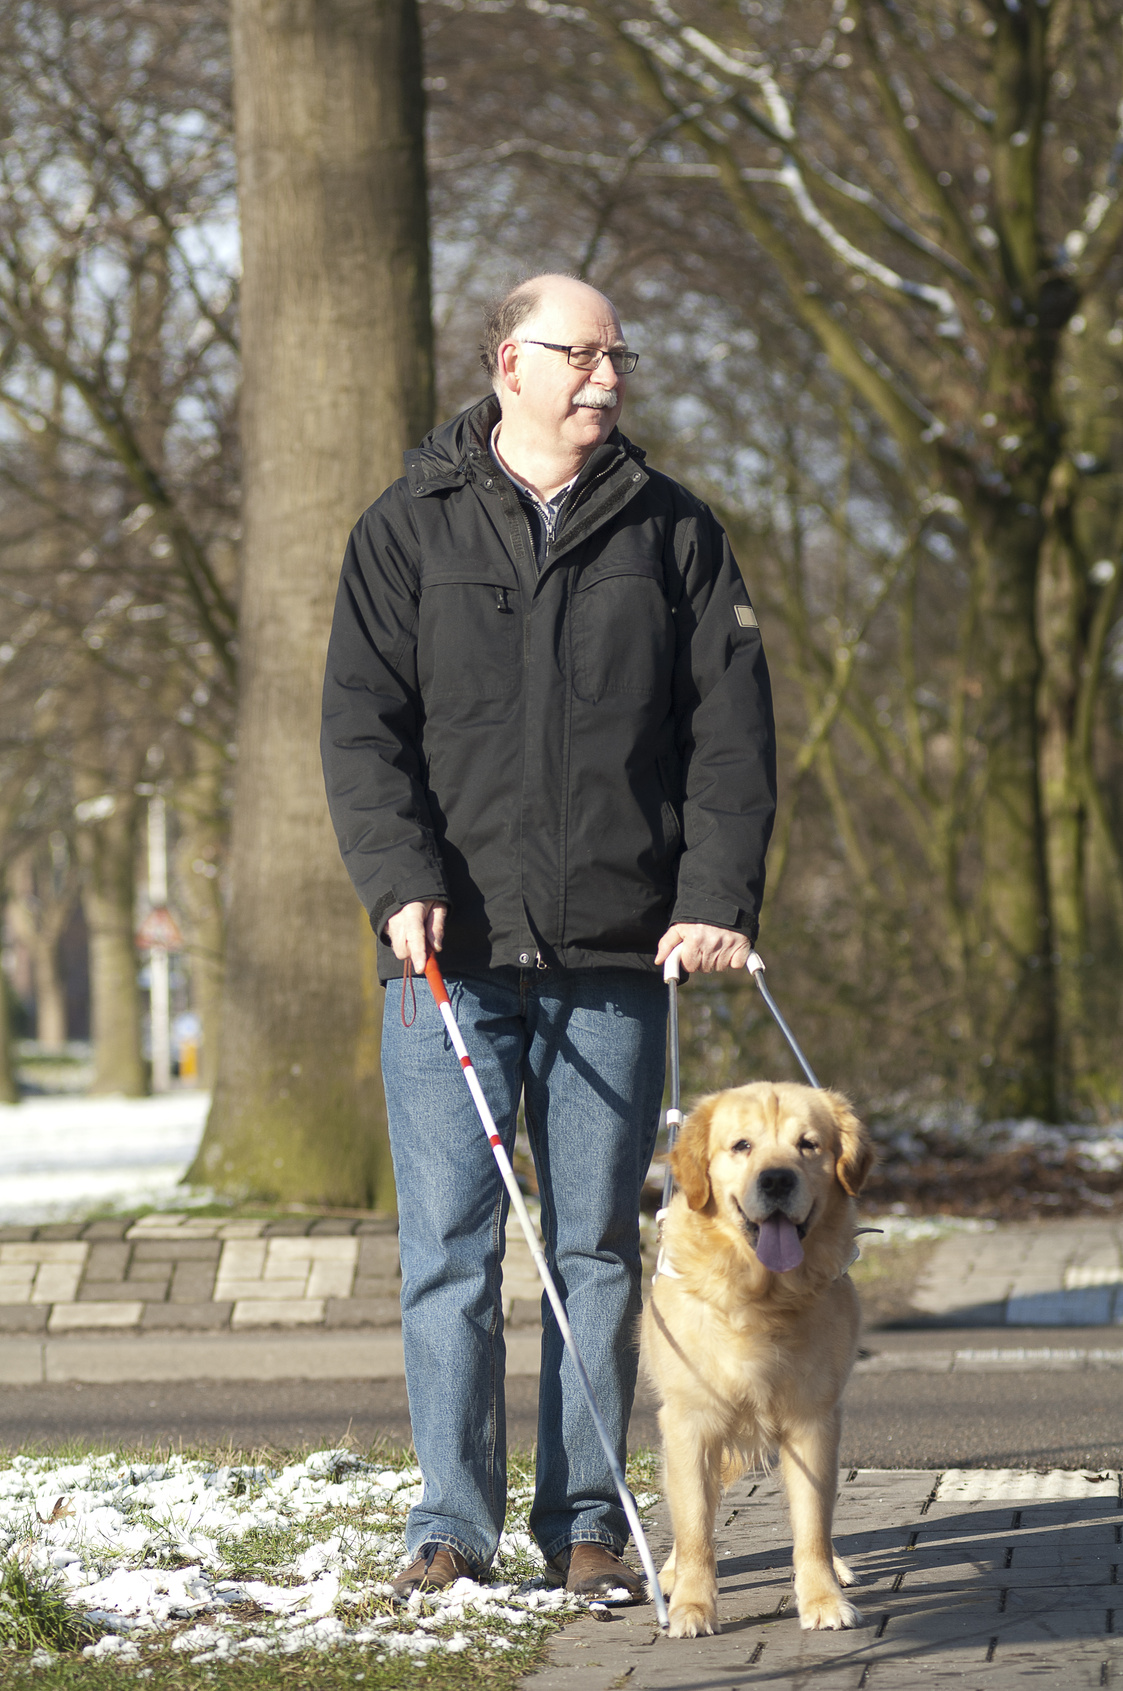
465,1062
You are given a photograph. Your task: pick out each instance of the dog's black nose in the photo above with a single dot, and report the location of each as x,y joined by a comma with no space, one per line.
776,1185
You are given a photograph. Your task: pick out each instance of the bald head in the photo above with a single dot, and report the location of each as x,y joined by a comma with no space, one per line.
550,297
556,378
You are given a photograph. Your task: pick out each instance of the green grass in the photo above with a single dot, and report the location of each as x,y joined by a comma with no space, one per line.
34,1614
339,1670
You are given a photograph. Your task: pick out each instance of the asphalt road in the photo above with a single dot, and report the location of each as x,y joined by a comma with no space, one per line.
899,1419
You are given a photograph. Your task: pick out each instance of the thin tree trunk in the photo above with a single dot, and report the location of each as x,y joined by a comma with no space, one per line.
50,992
42,899
198,801
1013,967
1061,601
107,853
9,1091
338,380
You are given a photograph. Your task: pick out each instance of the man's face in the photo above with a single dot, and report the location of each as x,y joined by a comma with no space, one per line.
554,401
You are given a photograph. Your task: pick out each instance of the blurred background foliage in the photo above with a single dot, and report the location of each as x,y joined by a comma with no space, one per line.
870,255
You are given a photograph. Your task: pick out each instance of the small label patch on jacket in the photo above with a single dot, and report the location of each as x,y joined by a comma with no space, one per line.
746,616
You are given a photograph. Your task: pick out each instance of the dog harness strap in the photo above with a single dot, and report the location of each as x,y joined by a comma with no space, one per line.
663,1263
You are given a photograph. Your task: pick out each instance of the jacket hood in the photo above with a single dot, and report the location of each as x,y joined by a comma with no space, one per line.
444,457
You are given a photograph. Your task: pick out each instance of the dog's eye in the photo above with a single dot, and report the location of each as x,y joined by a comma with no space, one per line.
806,1144
741,1145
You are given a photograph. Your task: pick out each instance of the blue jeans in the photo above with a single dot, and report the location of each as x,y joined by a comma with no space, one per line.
585,1049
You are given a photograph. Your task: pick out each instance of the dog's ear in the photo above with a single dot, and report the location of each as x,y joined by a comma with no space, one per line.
690,1158
855,1152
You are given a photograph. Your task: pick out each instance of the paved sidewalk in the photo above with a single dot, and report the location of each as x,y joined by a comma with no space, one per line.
974,1577
173,1296
1027,1274
174,1272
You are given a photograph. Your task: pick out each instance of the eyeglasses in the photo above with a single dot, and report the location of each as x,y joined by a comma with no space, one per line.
589,357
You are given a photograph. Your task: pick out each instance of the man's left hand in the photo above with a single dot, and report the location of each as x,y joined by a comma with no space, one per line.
705,949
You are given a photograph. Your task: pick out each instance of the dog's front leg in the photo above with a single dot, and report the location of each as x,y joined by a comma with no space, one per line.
693,1469
809,1455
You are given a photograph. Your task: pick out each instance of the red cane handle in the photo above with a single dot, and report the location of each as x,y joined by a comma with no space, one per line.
436,979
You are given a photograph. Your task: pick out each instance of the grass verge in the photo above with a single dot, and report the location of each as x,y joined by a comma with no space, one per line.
253,1569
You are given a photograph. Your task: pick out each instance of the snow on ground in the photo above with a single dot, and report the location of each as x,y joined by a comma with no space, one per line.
257,1558
940,1131
61,1157
902,1229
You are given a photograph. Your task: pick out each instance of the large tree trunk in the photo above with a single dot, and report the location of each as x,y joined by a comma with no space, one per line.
107,853
338,380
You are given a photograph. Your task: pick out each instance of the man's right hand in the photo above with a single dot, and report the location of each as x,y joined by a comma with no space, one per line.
416,930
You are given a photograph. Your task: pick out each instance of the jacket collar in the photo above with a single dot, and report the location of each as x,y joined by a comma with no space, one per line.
450,455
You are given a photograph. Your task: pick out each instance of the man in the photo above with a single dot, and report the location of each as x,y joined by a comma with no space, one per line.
549,755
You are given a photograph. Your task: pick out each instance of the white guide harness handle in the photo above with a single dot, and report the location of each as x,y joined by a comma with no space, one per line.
672,968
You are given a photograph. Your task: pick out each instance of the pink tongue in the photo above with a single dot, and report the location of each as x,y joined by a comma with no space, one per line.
778,1246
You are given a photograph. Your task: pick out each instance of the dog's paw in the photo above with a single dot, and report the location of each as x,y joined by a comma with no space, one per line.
828,1613
693,1620
844,1573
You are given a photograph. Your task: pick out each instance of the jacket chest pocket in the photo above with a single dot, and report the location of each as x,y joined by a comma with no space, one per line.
623,632
469,639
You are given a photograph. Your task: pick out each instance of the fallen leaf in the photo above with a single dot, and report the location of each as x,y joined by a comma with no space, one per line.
59,1513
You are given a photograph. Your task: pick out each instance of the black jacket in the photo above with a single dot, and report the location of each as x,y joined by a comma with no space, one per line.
573,759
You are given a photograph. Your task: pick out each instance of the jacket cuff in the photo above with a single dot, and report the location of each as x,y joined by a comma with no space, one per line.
718,915
390,903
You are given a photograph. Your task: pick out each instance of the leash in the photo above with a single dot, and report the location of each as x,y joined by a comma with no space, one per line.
755,966
440,995
672,974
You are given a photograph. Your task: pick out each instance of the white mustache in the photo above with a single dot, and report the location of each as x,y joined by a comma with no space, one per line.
599,399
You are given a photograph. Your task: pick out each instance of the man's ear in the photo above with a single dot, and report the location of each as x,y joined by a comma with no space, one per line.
855,1152
690,1158
507,361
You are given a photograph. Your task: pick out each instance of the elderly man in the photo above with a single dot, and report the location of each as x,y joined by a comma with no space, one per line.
549,755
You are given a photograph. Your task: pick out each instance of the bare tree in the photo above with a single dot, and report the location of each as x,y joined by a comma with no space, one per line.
118,462
931,193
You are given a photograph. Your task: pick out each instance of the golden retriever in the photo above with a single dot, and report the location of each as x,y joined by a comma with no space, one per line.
751,1329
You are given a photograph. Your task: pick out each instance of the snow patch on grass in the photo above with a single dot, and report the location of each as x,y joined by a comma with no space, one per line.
224,1561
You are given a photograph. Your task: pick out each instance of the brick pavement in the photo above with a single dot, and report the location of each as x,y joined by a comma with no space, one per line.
179,1272
175,1272
975,1578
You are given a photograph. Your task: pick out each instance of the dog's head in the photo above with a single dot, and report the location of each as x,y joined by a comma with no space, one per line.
771,1153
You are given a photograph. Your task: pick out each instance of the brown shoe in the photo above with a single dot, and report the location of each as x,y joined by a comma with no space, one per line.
595,1571
434,1567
